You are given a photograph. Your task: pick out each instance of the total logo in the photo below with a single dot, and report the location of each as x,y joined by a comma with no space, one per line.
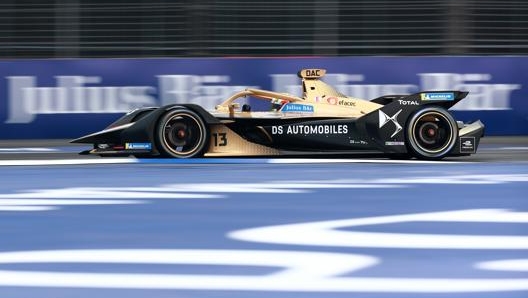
408,102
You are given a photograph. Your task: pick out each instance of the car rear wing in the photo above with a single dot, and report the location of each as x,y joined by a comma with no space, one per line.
445,99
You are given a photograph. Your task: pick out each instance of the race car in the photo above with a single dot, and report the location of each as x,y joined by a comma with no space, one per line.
322,121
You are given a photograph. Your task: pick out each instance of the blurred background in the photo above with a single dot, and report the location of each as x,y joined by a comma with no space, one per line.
74,226
71,67
190,28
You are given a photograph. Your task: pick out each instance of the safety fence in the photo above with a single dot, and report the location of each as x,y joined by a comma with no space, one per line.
190,28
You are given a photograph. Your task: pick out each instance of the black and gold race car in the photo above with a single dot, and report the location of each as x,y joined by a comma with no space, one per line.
321,121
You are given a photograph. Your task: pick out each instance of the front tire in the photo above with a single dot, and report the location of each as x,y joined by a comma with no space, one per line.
181,133
431,133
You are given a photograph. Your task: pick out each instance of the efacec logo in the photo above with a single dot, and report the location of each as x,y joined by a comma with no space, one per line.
89,94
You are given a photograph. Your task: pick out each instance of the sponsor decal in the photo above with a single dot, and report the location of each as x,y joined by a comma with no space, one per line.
75,94
336,129
312,73
31,95
298,108
358,142
346,103
438,96
138,146
394,143
408,102
340,102
384,119
467,144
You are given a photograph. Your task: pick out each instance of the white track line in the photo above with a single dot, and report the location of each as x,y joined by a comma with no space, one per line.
29,150
355,160
513,148
27,208
57,162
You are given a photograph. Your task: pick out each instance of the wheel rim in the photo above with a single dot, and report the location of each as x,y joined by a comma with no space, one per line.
432,133
183,134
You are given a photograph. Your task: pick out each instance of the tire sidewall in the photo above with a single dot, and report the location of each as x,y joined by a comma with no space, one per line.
415,148
162,144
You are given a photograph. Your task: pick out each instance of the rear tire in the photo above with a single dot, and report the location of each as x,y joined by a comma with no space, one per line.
181,133
431,133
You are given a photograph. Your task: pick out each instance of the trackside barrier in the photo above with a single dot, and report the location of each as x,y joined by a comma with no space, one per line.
69,98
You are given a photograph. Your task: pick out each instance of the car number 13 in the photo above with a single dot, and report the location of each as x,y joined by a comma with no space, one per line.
220,139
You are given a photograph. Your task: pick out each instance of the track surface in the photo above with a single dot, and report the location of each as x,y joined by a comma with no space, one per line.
258,227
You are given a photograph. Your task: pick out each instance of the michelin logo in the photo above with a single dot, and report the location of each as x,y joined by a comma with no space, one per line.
138,146
438,96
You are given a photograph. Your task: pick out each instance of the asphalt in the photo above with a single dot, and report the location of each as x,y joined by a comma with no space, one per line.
254,228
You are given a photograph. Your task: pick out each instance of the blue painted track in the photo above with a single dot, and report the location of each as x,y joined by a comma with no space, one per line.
196,205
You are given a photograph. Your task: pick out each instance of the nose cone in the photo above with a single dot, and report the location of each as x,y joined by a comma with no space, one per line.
110,135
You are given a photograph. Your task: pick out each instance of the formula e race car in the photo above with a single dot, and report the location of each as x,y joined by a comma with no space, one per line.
321,121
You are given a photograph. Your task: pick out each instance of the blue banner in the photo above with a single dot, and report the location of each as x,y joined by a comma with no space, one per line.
69,98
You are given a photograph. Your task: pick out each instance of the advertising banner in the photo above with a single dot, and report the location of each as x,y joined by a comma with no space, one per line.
69,98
